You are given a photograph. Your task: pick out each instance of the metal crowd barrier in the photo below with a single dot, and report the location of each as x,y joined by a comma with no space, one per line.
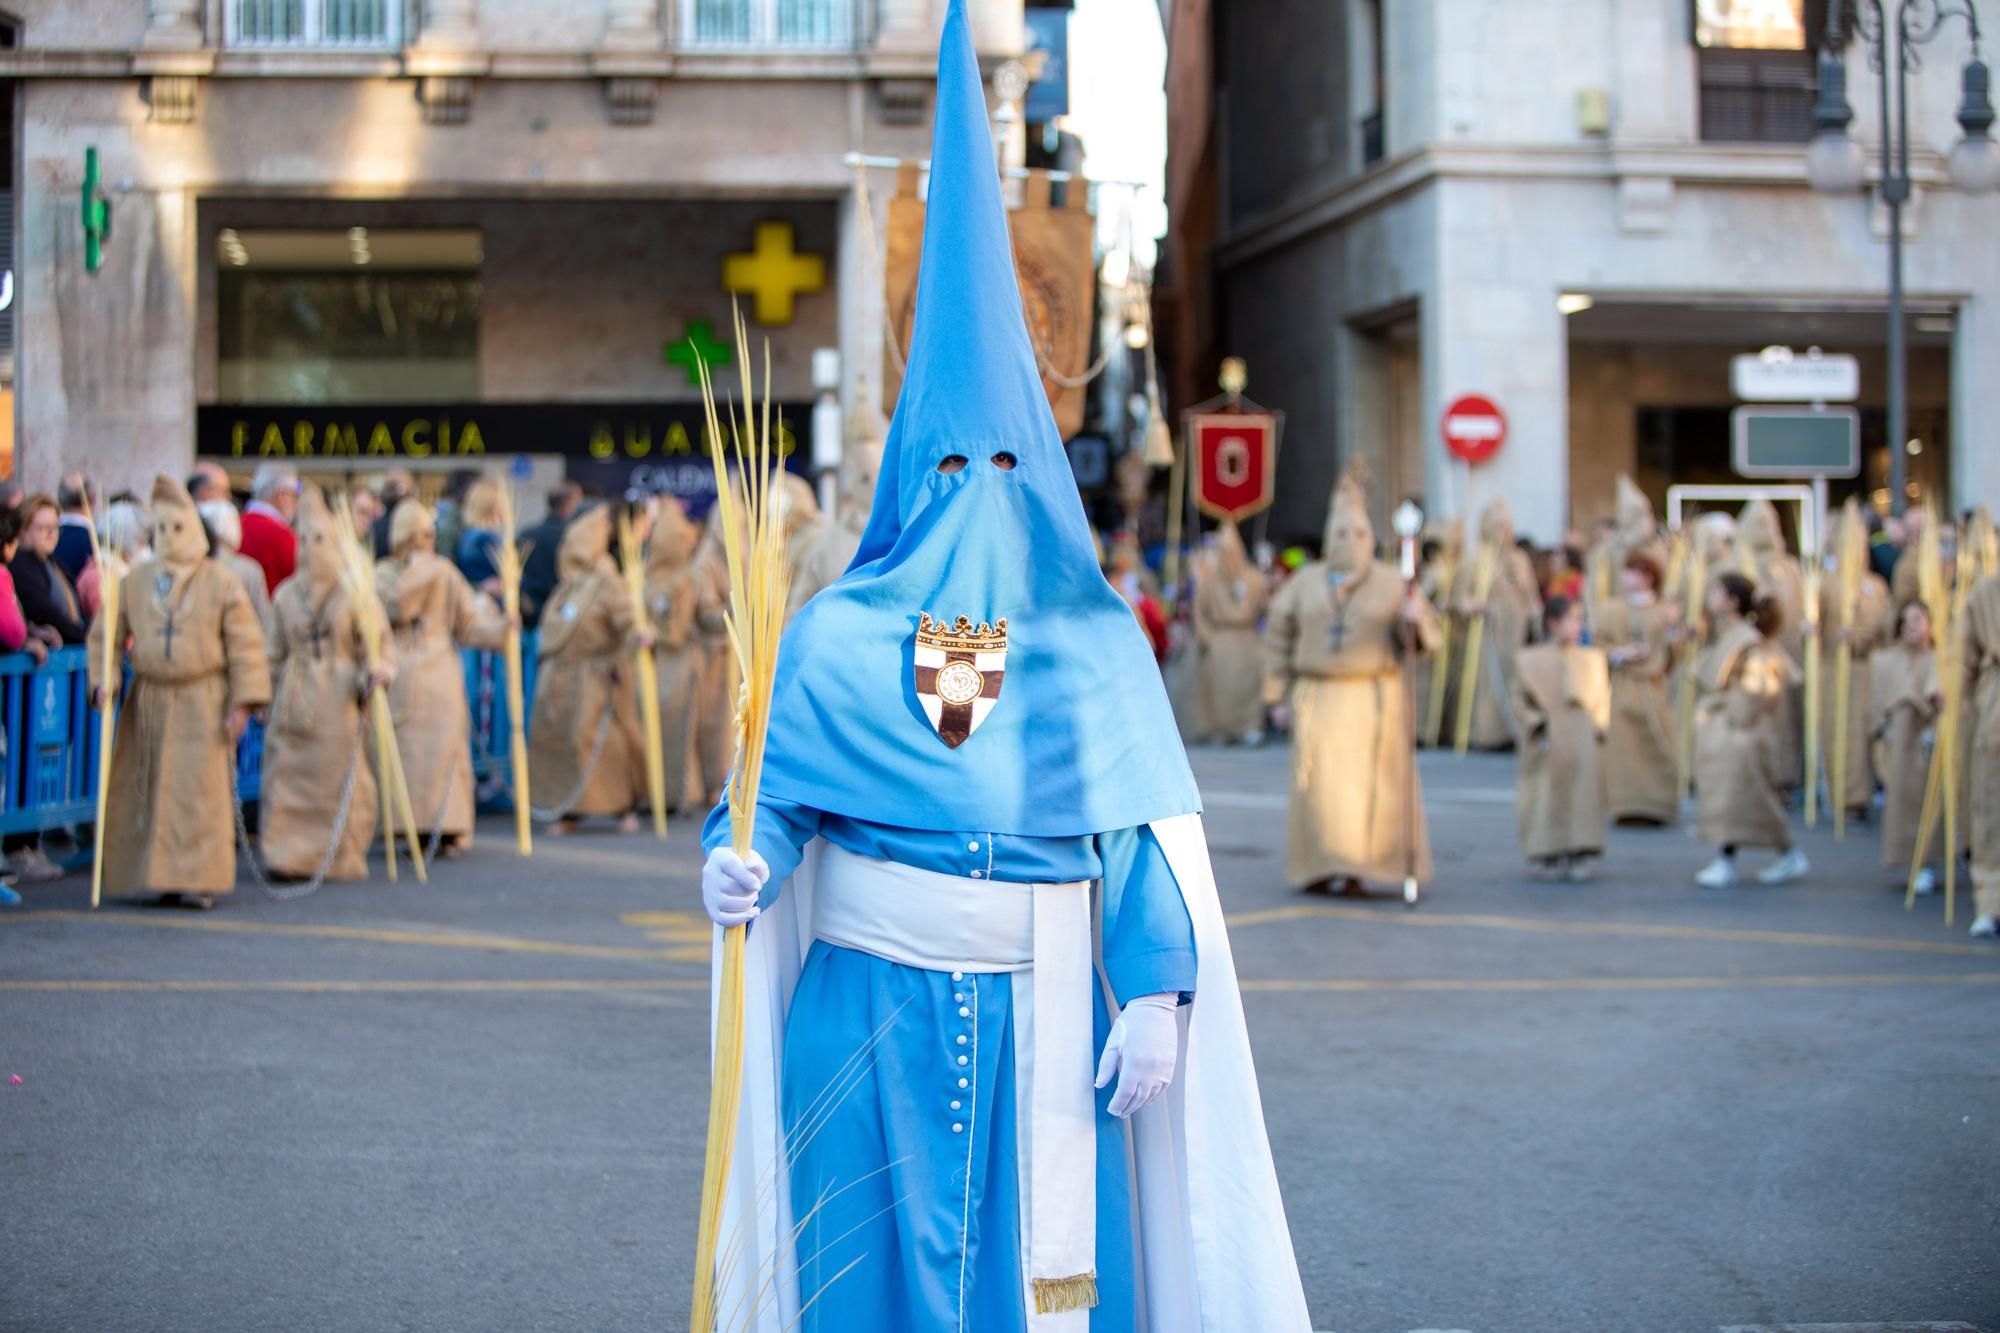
48,772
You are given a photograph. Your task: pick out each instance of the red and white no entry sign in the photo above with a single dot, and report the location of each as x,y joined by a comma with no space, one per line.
1474,428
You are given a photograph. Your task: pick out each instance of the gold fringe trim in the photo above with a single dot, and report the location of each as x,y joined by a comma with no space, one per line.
1056,1295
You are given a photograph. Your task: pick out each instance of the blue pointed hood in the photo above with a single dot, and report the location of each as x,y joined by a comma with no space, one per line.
1079,737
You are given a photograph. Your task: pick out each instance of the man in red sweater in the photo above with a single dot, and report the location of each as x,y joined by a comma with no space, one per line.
267,522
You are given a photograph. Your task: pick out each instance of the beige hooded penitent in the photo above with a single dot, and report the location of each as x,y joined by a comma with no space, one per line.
196,654
315,736
1334,647
435,614
587,753
673,606
1511,606
1230,595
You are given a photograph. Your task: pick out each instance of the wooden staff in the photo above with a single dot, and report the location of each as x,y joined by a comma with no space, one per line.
110,577
1696,621
1468,687
366,609
1813,668
1941,786
517,719
1853,560
633,566
753,533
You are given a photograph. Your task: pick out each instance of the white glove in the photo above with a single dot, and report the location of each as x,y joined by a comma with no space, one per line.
1142,1050
730,884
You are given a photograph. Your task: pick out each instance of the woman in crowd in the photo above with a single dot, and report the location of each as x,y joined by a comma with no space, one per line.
1905,699
1743,676
1562,699
587,753
434,613
478,551
1636,632
55,613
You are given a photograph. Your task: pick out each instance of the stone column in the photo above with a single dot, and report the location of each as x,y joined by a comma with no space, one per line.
446,57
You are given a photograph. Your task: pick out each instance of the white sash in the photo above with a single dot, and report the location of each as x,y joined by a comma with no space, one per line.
946,923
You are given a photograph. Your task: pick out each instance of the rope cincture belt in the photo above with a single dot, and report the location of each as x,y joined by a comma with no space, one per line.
945,923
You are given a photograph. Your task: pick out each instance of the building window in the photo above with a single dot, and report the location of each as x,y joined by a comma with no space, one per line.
1756,62
1371,76
353,315
811,24
344,24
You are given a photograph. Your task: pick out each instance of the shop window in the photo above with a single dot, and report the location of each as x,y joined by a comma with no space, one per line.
342,24
1756,62
821,24
348,316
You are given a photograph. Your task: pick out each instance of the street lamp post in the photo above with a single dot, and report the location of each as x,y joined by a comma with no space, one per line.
1836,164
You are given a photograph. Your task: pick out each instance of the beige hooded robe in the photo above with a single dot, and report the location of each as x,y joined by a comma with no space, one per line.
1981,628
822,556
587,754
1762,558
1641,770
196,650
434,613
1873,627
1562,698
1904,697
1510,608
1743,679
1230,595
1335,645
1434,580
672,607
1637,533
318,727
712,740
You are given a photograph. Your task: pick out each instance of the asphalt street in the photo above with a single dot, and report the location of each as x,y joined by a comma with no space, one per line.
478,1104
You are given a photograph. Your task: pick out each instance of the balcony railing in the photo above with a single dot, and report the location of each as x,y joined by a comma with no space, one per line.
340,25
742,25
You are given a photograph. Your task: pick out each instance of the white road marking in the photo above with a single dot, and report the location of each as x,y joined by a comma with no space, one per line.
1433,796
1921,1326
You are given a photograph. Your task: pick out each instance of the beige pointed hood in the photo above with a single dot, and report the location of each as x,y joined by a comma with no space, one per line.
671,544
797,504
412,522
586,541
1496,524
1348,544
1636,525
319,541
179,540
1232,560
1759,528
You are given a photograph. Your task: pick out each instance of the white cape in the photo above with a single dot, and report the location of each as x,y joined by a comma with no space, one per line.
1215,1252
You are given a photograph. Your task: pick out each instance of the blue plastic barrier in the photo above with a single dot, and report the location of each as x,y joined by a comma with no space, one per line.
48,774
48,778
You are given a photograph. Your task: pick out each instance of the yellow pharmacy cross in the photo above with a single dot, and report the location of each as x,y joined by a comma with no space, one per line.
774,273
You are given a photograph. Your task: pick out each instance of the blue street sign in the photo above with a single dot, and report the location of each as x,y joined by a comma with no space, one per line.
1048,95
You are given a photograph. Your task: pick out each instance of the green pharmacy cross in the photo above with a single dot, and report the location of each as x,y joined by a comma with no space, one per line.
697,343
96,214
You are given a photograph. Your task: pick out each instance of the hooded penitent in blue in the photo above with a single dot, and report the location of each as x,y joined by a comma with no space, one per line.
1081,739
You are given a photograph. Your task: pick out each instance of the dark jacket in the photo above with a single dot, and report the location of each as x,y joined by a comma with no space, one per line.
72,549
539,545
47,597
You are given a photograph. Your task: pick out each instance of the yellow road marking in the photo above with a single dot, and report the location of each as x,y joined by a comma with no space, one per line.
373,935
674,928
1360,985
349,987
1634,929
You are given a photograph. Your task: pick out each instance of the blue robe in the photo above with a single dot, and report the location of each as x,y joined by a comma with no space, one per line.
903,1162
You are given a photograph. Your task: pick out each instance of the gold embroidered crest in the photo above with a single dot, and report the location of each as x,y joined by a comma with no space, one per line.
959,667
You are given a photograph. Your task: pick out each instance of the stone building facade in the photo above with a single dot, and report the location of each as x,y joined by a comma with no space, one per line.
1579,209
343,229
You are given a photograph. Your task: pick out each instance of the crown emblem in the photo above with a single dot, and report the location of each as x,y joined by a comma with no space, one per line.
961,635
959,667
